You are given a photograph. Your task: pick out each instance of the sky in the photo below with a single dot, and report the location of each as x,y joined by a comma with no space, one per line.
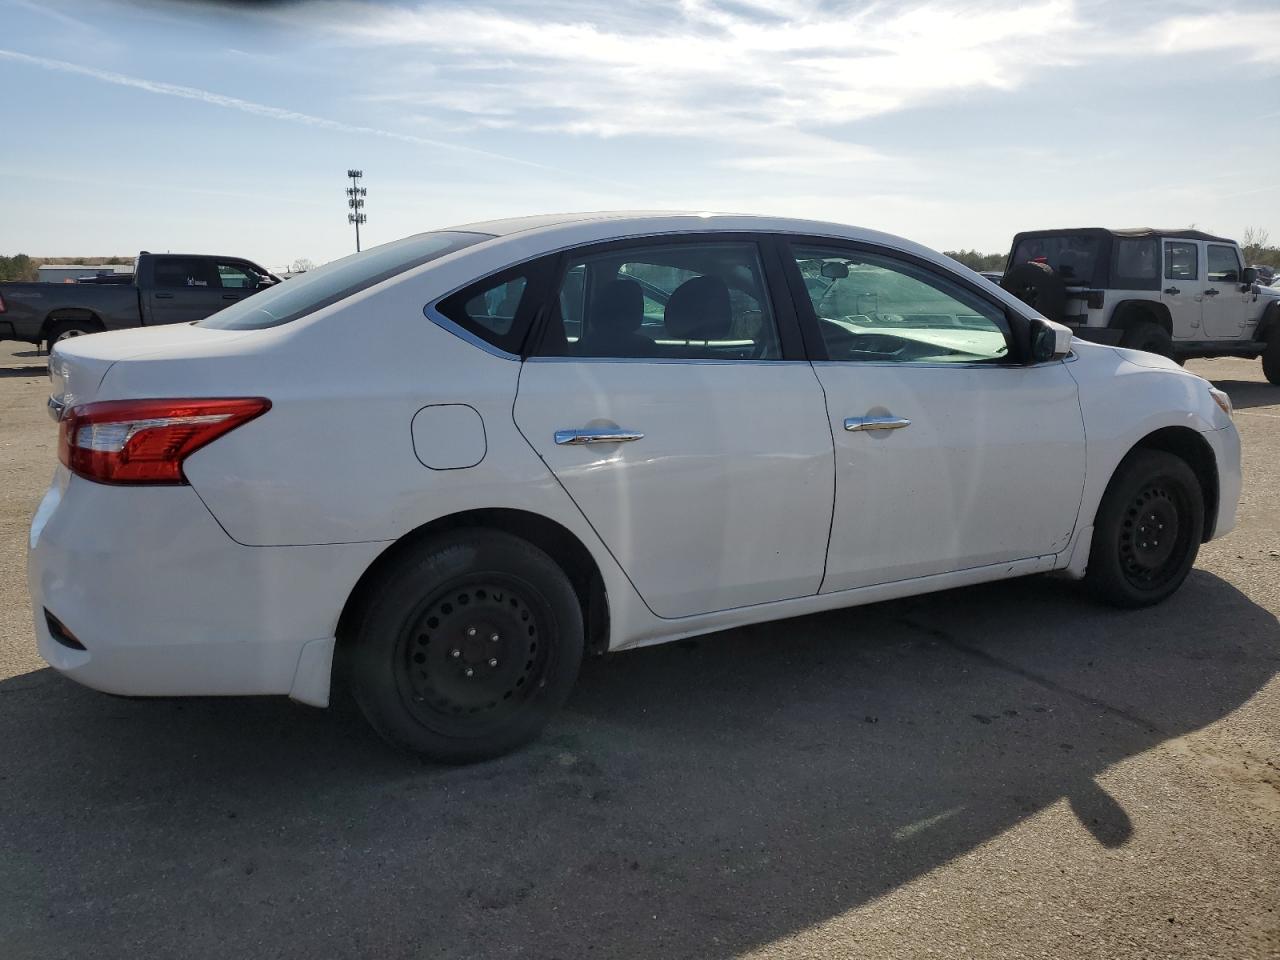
228,128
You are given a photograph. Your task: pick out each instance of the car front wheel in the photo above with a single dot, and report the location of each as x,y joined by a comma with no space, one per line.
1147,531
466,647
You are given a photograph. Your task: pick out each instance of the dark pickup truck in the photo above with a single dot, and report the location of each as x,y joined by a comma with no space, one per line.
166,288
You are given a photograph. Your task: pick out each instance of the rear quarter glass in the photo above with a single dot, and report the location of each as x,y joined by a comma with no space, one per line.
301,295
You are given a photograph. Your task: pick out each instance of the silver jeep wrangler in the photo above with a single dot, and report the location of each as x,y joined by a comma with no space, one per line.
1179,293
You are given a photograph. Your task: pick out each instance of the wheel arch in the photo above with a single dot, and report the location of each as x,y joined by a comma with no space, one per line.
57,316
554,539
1130,312
1269,323
1187,445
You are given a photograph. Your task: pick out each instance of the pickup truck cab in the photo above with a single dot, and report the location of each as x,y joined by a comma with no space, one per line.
166,288
1178,293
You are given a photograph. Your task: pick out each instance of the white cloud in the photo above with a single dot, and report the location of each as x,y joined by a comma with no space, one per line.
258,109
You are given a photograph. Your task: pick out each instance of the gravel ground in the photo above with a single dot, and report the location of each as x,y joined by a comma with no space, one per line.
1003,771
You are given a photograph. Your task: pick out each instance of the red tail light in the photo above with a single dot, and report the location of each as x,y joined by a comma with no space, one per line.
2,307
146,441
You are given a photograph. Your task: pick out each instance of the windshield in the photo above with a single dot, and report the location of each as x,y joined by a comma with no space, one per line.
1073,256
308,292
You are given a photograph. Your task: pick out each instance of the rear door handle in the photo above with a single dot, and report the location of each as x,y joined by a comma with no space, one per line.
231,296
1211,293
854,424
575,438
164,296
1172,291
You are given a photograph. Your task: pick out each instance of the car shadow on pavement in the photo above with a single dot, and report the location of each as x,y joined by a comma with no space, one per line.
26,371
694,800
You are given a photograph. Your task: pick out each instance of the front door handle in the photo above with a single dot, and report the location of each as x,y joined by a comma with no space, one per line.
853,424
1211,293
164,296
575,438
1172,291
231,296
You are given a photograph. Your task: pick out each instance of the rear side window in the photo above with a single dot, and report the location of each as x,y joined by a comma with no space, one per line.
489,309
1073,256
1180,261
172,273
1224,264
318,288
1137,263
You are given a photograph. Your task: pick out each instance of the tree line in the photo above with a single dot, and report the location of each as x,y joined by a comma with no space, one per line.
22,267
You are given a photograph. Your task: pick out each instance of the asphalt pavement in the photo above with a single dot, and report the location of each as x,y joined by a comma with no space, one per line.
1002,771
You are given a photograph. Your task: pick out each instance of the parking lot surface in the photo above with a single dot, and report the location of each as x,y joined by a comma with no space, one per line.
1003,771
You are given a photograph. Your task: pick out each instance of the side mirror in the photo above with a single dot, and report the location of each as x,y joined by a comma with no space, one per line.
1250,276
834,270
1049,341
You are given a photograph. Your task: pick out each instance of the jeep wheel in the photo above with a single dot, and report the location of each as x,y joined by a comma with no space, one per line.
1150,337
1271,358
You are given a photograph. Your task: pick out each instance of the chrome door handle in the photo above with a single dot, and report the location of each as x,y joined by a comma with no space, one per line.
1172,291
875,423
597,435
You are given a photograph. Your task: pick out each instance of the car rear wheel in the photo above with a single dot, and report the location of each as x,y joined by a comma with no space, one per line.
1150,337
1147,531
467,647
1271,358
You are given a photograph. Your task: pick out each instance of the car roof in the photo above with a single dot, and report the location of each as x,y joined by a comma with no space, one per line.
1132,232
623,223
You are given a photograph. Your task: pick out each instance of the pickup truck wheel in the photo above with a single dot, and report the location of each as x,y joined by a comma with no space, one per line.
1150,337
1271,358
1147,530
467,647
66,329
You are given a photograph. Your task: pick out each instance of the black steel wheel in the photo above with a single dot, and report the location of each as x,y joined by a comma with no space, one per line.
1147,531
467,648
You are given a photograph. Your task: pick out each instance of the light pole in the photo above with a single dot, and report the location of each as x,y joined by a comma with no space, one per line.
355,202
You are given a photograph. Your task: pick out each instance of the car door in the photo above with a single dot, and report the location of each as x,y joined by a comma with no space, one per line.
950,454
1182,291
183,289
697,446
1225,298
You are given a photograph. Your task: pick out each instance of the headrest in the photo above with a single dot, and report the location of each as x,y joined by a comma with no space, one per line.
699,310
618,307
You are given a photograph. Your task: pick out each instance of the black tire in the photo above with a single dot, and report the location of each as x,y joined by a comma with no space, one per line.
425,666
62,329
1271,358
1150,337
1147,531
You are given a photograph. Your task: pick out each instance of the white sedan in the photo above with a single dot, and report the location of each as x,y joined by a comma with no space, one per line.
441,470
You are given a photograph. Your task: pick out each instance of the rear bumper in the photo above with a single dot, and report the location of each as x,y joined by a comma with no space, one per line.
166,604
